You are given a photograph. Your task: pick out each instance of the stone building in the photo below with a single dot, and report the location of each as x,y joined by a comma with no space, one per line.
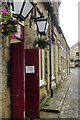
59,55
75,55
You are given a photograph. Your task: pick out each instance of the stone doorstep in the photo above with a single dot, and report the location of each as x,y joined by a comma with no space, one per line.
46,99
55,105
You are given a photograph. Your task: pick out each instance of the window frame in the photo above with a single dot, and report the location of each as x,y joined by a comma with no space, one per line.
77,54
42,67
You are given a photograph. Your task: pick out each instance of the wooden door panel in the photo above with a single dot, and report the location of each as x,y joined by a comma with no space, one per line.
32,106
17,80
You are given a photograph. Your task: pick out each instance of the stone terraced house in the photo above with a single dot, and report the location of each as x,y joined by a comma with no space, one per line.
60,55
75,55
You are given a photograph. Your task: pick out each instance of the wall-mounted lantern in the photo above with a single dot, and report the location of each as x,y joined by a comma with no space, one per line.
42,24
22,8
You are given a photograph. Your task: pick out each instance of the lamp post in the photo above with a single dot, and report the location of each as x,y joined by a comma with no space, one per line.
50,53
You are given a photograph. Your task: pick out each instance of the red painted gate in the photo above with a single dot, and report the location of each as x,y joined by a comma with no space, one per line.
32,105
17,80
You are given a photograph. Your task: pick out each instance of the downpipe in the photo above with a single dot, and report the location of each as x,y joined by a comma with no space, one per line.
51,90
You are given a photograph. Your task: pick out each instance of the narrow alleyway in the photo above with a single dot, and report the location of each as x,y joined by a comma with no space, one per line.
70,105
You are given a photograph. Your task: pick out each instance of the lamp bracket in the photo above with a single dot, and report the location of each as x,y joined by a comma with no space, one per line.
10,3
34,18
31,20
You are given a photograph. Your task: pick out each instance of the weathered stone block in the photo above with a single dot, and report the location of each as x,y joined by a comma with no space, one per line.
27,22
7,54
8,100
8,92
7,42
42,89
8,112
0,103
5,82
3,105
0,95
3,114
26,30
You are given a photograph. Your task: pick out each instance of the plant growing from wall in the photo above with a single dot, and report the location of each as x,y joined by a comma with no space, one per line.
42,43
9,23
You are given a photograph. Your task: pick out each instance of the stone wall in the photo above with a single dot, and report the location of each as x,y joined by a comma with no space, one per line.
58,53
5,79
5,101
0,74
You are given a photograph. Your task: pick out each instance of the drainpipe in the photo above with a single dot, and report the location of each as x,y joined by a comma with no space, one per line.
67,58
50,54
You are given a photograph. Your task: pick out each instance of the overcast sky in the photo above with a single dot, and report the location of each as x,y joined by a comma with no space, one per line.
68,13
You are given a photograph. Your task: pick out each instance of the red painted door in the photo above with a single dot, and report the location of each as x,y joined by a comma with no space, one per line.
32,106
17,80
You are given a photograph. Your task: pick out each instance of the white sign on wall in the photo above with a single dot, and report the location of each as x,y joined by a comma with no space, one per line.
30,69
20,32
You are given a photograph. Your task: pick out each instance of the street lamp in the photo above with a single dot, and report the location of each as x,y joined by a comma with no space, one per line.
42,24
22,8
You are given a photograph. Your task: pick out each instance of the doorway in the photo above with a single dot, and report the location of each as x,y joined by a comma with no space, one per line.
25,91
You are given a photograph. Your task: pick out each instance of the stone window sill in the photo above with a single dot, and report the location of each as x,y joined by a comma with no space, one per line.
42,83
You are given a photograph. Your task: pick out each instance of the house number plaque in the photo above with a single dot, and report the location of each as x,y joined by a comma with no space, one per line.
30,69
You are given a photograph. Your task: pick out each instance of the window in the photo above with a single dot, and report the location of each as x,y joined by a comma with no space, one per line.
20,32
77,62
41,67
77,53
72,62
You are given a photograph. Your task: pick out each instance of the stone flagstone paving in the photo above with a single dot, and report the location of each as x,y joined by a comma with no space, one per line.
70,105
